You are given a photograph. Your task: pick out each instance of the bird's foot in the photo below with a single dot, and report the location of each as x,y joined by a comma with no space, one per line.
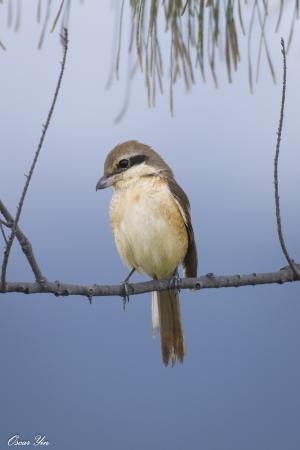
175,282
125,296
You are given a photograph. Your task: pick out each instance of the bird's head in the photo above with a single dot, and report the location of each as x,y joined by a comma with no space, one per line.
131,160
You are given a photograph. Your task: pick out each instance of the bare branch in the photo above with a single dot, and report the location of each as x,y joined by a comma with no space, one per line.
6,224
276,182
28,178
25,244
208,281
2,231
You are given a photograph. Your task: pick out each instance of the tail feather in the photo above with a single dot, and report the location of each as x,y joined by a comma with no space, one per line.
166,316
155,314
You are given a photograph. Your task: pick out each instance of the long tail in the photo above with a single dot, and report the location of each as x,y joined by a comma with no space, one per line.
166,318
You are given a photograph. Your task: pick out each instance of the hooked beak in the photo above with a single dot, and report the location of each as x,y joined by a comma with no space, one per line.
105,182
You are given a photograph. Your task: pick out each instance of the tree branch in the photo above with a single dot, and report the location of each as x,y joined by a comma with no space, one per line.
208,281
25,245
7,250
276,183
2,231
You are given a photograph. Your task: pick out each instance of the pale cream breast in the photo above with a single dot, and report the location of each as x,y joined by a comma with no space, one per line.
148,226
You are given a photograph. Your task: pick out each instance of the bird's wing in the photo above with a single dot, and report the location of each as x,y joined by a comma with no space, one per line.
191,260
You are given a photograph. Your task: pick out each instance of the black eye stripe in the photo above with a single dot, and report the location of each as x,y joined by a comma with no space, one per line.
137,159
124,164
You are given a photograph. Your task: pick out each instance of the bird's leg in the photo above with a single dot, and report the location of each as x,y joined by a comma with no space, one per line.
125,288
129,275
174,282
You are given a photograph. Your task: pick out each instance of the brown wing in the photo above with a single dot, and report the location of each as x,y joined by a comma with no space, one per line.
191,260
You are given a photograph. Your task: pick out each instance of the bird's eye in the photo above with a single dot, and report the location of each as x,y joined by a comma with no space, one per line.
123,164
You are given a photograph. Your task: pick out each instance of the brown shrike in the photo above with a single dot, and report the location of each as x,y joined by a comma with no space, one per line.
151,223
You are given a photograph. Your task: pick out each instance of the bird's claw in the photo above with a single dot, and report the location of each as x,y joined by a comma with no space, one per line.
126,288
175,283
125,296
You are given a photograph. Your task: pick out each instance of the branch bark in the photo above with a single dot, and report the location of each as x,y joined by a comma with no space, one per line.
2,224
25,244
208,281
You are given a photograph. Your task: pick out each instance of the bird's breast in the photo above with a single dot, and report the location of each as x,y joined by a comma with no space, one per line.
148,227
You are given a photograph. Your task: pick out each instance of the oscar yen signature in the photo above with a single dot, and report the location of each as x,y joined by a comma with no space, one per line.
38,440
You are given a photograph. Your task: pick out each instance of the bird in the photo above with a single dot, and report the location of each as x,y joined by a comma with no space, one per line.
151,223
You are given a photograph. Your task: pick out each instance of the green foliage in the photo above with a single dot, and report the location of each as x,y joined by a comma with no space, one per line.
199,32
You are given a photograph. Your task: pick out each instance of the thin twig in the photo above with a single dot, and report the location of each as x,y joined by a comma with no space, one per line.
64,39
110,77
276,182
184,7
57,15
6,224
120,40
38,11
18,16
24,242
46,20
209,281
2,46
2,223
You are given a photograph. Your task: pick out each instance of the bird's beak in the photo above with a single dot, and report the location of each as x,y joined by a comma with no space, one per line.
105,182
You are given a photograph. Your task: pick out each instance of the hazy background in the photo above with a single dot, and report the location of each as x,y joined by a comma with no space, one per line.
91,377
